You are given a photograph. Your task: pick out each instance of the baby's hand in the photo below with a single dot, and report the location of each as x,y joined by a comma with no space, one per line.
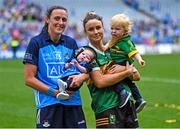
67,65
75,62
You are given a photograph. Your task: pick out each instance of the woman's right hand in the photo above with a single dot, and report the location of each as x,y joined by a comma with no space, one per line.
129,68
134,74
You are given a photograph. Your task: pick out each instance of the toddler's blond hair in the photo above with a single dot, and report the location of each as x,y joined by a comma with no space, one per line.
121,20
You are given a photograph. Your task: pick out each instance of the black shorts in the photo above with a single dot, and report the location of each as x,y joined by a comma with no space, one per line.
60,116
124,117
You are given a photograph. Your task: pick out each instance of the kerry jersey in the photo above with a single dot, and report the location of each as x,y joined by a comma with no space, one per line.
102,98
122,50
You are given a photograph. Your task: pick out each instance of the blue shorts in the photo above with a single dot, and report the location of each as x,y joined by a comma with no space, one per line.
60,116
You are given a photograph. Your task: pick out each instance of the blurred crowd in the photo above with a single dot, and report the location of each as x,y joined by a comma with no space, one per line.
21,19
18,22
165,29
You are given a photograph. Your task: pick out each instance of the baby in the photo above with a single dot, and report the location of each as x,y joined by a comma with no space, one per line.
82,63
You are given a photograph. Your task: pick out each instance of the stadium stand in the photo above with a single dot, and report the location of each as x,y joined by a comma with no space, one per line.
159,8
155,22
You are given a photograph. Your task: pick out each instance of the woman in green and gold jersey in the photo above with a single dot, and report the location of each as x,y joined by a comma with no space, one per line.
105,101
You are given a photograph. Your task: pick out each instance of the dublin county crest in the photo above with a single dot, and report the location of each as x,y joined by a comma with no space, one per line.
46,123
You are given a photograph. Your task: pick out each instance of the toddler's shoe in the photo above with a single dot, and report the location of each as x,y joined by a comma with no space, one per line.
62,85
124,97
62,95
140,104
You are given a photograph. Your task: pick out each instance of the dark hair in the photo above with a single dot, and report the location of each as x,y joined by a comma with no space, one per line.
90,16
91,49
48,15
81,49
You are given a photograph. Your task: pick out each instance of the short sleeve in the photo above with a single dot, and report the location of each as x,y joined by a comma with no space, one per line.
31,54
129,48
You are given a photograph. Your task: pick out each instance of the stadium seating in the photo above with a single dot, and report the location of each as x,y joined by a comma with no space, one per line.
21,16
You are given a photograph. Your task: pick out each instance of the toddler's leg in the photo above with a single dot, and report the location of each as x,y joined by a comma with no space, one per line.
123,94
140,102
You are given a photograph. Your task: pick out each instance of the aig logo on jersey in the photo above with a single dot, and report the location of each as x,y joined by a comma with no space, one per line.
54,69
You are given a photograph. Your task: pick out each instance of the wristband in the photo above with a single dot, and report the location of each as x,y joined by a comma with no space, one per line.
51,91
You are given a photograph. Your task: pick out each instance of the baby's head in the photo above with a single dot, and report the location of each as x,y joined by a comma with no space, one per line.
86,54
121,23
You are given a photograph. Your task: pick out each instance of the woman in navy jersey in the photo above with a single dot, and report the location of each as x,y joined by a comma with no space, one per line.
44,61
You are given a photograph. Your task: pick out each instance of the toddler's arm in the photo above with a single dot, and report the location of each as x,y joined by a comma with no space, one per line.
139,59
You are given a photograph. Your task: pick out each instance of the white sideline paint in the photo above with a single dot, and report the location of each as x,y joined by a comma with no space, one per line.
147,79
161,80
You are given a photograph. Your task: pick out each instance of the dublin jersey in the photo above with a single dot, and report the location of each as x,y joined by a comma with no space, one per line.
50,59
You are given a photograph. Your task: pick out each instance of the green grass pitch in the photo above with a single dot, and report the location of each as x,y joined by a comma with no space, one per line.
159,85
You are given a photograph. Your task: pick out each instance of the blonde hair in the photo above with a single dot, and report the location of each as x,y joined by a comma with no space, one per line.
123,21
